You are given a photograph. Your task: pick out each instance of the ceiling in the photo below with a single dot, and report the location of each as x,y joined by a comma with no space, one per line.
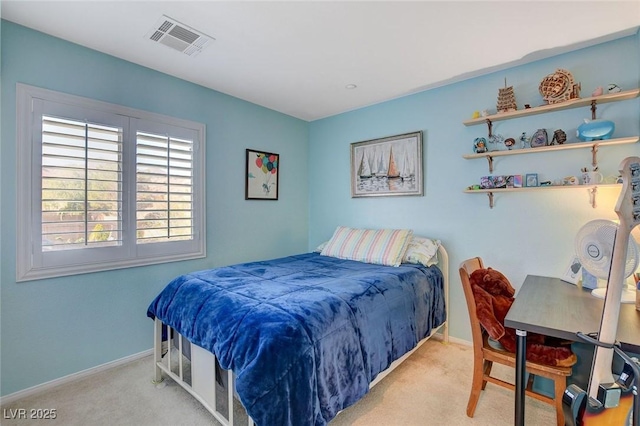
297,57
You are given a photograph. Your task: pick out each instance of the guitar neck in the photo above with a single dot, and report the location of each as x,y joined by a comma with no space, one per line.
628,211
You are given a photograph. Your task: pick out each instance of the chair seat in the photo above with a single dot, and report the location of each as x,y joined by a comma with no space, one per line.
484,355
509,358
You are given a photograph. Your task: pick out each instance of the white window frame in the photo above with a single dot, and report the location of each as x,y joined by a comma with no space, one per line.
32,263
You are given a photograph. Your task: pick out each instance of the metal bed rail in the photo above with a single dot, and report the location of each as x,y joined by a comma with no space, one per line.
195,370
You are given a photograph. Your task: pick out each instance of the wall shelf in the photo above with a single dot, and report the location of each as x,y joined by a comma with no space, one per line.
592,101
593,145
572,103
592,189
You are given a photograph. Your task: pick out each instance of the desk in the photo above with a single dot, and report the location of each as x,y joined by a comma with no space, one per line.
556,308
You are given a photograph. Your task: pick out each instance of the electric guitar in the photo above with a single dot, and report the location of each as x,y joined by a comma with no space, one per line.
611,401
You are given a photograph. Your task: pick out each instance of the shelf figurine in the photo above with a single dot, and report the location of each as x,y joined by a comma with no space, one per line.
479,145
506,99
614,88
559,137
510,142
559,87
539,138
496,143
594,130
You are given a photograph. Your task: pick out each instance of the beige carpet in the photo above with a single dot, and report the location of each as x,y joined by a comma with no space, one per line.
430,388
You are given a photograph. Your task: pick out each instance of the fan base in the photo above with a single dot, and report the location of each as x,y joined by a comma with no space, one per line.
628,294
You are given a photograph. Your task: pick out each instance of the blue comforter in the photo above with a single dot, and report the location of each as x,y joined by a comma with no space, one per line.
304,334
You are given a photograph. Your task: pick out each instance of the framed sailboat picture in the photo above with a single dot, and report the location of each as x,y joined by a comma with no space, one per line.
262,173
387,166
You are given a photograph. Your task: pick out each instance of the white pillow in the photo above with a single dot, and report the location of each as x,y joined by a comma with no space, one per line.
381,246
320,247
422,250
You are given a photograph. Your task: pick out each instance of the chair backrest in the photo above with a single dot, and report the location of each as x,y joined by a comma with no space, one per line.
466,268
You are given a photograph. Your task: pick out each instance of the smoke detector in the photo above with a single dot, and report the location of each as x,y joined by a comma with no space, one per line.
178,36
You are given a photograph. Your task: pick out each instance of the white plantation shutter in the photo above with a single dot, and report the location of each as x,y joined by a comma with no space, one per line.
164,188
102,187
81,184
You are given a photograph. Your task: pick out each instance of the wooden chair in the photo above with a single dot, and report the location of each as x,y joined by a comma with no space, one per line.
484,356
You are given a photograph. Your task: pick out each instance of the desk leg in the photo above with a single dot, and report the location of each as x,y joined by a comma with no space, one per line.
521,369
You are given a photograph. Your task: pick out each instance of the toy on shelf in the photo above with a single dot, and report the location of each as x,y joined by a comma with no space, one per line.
614,88
496,142
559,87
479,145
539,138
506,99
594,130
559,137
510,143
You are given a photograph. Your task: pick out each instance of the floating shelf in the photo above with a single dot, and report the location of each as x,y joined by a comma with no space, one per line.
591,188
572,103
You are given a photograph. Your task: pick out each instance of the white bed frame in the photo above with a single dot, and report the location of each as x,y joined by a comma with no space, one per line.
198,375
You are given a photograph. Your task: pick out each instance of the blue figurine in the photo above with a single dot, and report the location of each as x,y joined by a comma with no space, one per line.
479,145
593,130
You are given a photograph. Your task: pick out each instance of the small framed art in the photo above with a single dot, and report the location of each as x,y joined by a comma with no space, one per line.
532,179
262,173
574,271
517,181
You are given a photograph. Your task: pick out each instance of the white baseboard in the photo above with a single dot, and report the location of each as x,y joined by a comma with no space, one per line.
454,340
8,399
440,337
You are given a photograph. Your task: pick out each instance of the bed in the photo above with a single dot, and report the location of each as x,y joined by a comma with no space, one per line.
296,339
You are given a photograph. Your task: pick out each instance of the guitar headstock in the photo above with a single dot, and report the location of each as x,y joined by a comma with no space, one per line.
628,206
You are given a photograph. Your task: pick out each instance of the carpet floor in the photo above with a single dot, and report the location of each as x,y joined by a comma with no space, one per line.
430,388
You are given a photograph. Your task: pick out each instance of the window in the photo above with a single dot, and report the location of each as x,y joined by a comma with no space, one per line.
103,187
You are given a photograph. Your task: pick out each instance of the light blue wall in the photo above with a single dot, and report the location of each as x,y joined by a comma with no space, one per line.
52,328
525,233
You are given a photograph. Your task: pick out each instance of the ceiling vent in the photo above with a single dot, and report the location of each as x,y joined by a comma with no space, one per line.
178,36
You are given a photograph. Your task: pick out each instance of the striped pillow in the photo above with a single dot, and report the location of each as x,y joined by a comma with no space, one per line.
382,247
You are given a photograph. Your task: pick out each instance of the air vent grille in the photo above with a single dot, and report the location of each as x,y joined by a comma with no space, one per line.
183,34
178,36
166,26
157,35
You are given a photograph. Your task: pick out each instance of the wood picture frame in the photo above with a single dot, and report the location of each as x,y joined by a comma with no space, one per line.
390,166
262,175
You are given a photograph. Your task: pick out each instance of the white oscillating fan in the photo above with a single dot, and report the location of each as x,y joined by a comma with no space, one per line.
594,247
